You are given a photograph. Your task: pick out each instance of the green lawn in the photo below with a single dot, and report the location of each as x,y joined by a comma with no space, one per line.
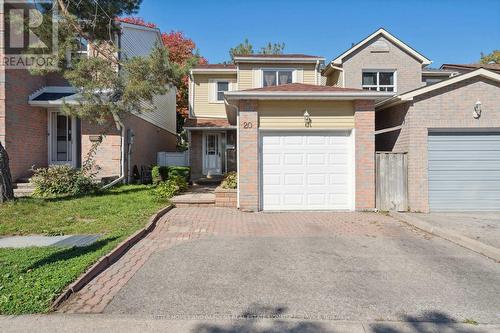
31,278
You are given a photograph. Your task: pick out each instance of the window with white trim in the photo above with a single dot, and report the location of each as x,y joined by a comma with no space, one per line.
276,77
221,86
379,80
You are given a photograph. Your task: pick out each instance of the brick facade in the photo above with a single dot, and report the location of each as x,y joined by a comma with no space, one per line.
408,68
249,157
364,118
226,197
450,107
148,141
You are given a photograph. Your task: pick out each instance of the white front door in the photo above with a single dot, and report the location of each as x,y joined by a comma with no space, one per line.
62,140
307,171
212,154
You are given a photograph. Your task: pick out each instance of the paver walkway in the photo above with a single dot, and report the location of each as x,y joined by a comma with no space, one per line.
184,224
60,241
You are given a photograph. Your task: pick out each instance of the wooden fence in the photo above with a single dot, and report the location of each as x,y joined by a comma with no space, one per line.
392,181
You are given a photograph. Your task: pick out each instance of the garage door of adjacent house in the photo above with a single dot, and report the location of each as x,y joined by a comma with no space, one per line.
307,171
464,171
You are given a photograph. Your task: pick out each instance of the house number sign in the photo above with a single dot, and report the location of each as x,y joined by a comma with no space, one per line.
247,124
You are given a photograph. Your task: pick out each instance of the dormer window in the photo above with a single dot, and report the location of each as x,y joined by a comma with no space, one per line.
379,80
274,77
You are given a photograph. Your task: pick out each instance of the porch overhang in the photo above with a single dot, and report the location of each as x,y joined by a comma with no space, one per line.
53,97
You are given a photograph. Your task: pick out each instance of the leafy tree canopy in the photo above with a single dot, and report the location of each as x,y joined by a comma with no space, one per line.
247,48
494,57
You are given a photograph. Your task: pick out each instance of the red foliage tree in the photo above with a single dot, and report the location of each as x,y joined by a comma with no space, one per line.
182,51
138,21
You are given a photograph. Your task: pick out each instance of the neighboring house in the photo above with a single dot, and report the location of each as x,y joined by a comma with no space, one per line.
465,68
36,132
302,135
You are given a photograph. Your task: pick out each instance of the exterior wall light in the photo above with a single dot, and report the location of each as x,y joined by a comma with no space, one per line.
477,110
307,119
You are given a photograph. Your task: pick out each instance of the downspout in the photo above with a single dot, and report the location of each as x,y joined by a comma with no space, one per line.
317,72
236,108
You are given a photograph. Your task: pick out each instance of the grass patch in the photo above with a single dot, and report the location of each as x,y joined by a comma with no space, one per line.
31,278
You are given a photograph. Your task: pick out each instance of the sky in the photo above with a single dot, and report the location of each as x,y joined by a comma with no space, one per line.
445,31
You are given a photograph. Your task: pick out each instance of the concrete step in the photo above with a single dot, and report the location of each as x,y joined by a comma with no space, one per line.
24,185
23,192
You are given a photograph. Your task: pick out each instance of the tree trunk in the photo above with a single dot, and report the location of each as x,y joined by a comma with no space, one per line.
6,189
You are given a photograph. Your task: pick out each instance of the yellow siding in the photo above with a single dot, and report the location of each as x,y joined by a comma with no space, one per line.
246,78
290,114
202,106
335,79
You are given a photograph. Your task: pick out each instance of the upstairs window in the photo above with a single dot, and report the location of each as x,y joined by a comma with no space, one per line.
222,86
82,47
379,80
271,77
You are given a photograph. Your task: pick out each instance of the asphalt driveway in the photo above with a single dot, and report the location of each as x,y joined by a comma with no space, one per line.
336,266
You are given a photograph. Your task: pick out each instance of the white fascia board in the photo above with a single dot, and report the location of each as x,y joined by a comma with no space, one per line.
278,59
307,95
213,71
383,32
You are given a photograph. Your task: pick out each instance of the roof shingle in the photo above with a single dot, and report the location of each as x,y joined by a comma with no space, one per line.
297,87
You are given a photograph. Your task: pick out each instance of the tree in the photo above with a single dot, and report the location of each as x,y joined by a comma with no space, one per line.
6,189
246,48
274,48
241,49
494,57
182,51
138,21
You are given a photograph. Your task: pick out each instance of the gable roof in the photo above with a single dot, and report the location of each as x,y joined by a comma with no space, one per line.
491,67
390,37
408,96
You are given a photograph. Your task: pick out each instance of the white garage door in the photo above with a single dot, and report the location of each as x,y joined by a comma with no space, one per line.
312,171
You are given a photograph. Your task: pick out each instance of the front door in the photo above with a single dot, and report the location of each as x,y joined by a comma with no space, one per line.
212,155
62,141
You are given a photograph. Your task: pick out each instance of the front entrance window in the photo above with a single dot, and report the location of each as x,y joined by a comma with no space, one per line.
62,140
212,160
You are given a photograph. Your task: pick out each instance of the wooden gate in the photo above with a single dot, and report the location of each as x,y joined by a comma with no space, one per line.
392,181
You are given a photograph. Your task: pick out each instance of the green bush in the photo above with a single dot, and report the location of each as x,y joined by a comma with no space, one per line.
230,181
184,172
173,186
60,180
159,174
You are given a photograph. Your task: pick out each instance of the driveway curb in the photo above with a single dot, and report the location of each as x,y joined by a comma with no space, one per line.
111,257
469,243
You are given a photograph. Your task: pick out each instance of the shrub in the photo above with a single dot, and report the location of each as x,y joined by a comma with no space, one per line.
159,174
230,181
59,180
184,172
173,186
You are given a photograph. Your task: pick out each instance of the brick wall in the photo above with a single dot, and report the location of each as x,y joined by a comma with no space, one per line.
148,140
409,69
447,108
249,157
196,154
364,118
226,197
25,127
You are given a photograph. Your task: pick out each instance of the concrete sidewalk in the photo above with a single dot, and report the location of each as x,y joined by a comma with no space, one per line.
106,323
479,231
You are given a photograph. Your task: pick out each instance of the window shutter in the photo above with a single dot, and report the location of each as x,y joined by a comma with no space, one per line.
257,77
212,91
299,75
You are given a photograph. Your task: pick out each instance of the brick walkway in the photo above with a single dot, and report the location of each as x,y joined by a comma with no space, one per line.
188,224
